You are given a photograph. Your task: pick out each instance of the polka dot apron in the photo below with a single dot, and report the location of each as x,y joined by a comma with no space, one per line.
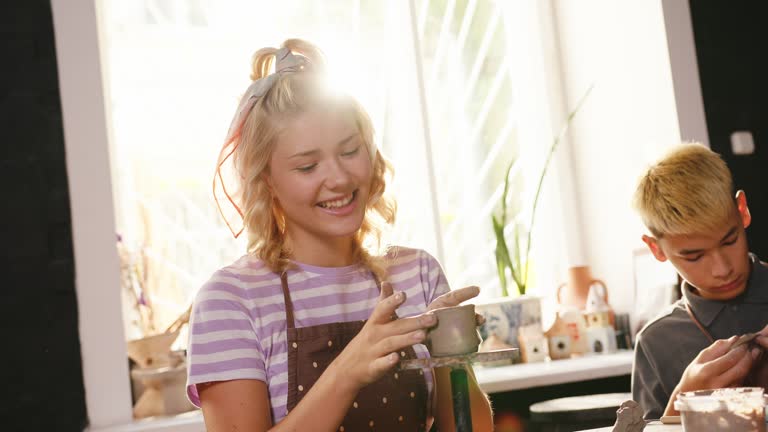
396,402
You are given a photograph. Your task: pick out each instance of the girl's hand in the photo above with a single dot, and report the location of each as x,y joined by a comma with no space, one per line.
375,350
455,298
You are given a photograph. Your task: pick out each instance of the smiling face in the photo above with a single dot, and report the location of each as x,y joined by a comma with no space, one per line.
320,174
715,263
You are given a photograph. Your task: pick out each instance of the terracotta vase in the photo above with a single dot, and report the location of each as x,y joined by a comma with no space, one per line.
575,291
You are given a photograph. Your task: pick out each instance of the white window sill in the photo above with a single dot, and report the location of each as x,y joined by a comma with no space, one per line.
522,376
491,380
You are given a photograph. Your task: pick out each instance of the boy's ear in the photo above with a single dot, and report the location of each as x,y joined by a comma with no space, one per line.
741,205
653,245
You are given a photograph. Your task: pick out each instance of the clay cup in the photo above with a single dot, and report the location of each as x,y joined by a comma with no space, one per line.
455,333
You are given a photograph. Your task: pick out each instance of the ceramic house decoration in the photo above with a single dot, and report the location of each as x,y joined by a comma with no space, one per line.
597,313
533,344
575,324
559,347
601,336
597,319
601,340
559,339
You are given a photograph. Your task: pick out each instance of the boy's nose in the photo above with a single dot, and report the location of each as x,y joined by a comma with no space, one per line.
721,266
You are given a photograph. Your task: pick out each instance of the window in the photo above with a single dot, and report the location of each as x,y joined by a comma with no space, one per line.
447,115
449,109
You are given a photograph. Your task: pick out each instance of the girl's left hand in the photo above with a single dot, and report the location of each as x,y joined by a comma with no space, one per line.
455,298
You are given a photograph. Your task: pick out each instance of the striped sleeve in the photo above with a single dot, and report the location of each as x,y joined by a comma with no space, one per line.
223,344
432,272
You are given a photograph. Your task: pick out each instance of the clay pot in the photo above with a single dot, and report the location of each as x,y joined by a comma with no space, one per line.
575,291
455,332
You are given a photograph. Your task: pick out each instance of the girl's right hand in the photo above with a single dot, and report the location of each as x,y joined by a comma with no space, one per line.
375,350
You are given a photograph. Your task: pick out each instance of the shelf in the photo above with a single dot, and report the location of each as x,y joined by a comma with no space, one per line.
521,376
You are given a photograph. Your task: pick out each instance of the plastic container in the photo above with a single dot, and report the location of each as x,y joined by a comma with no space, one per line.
740,409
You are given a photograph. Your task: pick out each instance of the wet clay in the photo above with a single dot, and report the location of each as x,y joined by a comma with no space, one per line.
455,332
748,420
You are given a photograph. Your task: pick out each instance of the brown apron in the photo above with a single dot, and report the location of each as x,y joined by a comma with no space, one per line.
396,402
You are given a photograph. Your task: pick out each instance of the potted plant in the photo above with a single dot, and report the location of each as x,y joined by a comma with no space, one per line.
516,310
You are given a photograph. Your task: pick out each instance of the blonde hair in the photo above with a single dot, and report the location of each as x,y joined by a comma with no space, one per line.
688,191
293,94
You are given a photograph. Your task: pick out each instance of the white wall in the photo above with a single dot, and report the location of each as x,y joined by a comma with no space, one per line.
628,120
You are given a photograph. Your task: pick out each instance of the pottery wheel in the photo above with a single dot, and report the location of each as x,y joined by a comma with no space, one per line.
458,360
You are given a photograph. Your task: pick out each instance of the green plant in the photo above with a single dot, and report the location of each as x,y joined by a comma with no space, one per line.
516,260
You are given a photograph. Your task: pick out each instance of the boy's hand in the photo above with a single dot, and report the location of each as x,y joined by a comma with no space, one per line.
718,366
759,374
762,338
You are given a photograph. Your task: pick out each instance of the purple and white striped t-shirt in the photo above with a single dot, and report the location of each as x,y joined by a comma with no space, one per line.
238,327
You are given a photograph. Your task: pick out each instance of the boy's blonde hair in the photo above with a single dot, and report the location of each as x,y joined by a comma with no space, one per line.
688,191
291,95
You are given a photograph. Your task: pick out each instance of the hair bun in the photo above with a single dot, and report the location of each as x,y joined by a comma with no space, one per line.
264,61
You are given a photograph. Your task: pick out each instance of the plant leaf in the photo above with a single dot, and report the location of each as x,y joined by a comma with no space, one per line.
510,263
506,191
522,272
500,268
501,253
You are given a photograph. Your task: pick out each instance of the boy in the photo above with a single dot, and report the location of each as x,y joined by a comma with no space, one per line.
686,201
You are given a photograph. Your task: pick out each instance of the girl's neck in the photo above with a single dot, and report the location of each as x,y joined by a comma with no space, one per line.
326,253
